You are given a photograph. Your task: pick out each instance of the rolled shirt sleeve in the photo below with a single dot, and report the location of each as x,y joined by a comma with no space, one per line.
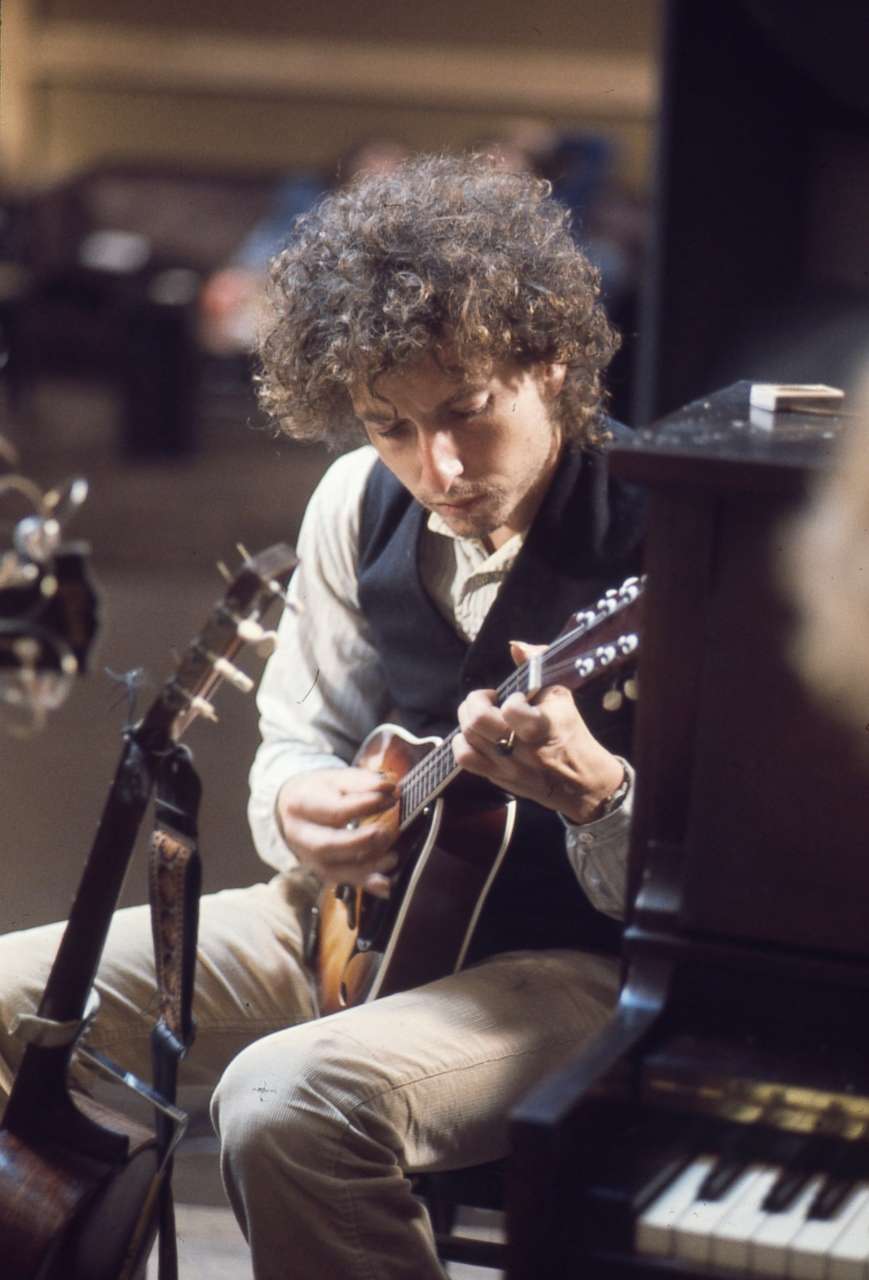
322,690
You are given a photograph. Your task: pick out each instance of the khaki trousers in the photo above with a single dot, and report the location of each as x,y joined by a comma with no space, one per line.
321,1120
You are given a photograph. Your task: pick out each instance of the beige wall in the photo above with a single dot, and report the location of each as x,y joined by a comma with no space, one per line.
281,82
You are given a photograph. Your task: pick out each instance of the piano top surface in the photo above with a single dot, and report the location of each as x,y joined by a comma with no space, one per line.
721,439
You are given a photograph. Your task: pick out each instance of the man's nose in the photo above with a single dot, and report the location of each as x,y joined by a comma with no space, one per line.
439,460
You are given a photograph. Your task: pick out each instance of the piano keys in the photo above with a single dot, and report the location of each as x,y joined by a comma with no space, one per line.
737,1232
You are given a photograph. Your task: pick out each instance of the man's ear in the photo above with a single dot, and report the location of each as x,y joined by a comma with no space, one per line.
552,377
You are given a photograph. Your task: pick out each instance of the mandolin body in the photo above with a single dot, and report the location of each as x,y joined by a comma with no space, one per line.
448,858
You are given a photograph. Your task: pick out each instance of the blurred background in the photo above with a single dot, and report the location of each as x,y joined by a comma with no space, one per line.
152,160
715,158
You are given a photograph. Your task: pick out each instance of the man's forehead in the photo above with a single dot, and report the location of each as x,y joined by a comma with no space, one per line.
427,378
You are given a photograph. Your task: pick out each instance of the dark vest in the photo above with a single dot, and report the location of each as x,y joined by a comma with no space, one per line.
585,538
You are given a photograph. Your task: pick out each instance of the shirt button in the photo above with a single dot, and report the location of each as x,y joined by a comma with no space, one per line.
586,838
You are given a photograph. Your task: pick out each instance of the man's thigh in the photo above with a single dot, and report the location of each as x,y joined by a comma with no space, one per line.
432,1073
250,979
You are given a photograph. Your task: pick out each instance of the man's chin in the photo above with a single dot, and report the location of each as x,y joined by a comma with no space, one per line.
467,524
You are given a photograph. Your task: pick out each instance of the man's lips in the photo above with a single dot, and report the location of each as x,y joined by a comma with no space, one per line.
458,504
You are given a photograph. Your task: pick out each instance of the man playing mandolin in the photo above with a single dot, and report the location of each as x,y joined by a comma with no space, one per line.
445,312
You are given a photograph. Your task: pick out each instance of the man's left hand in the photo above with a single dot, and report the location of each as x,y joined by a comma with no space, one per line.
543,750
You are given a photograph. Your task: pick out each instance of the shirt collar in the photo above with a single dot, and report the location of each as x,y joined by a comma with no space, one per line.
501,557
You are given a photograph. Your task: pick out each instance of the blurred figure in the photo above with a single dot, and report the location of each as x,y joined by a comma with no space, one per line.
230,300
827,562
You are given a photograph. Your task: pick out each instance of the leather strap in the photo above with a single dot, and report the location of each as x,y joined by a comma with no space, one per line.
174,882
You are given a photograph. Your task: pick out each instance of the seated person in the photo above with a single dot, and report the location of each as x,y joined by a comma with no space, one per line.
443,314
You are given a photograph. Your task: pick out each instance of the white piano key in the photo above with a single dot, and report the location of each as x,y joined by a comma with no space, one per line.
730,1237
654,1228
849,1255
768,1247
809,1253
692,1232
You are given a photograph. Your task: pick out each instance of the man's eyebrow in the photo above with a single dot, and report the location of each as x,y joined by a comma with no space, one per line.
366,414
379,419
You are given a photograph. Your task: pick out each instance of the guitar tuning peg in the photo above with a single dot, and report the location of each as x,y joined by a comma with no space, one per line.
242,551
265,642
613,698
231,673
224,571
278,592
267,645
203,708
632,688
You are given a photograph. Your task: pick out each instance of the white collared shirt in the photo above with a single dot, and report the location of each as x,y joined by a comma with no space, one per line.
323,689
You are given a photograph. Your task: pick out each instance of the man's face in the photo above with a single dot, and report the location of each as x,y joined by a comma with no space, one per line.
479,451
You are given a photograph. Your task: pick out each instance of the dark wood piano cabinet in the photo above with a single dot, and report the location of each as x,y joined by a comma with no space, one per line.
747,943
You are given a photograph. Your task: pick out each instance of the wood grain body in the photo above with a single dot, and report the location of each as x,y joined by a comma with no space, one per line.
66,1217
447,859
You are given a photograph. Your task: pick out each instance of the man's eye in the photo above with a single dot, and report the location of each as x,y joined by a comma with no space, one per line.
473,410
390,433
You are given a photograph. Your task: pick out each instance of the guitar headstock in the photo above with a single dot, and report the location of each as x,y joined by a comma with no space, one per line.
235,621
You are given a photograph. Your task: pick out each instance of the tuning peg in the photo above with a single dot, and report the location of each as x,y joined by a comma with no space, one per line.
203,708
632,688
612,699
233,675
627,644
278,592
265,642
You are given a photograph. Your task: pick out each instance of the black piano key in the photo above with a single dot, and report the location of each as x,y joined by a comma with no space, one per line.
721,1178
831,1197
785,1189
848,1165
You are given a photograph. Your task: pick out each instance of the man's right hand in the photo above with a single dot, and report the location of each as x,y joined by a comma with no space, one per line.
341,824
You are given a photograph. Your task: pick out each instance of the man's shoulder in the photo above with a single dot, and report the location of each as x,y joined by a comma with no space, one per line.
344,479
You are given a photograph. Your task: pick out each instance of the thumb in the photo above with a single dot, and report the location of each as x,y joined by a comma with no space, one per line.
520,651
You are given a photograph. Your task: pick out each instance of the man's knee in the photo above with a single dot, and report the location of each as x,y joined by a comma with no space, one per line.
288,1089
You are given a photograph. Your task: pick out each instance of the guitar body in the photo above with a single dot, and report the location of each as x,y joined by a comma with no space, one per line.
67,1216
448,858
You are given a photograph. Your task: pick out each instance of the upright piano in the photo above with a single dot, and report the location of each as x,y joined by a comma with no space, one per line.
719,1126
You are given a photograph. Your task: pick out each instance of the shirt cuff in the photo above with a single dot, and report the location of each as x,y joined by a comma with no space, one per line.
598,852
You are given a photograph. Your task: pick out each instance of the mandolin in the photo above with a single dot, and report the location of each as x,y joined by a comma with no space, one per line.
449,852
80,1184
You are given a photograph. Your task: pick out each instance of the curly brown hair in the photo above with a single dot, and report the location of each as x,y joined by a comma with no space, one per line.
442,251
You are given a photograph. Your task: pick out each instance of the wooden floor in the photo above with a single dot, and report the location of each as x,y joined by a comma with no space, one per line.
211,1247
